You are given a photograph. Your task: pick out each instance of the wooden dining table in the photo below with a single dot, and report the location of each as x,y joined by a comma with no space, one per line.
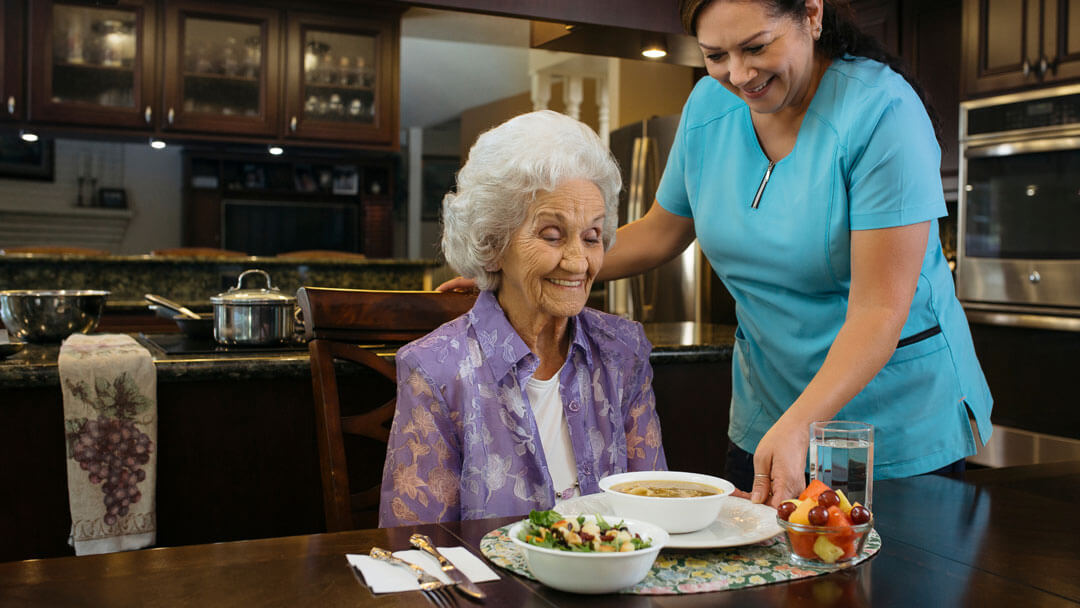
988,537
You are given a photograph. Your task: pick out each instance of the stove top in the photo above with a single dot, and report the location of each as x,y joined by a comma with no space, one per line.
181,344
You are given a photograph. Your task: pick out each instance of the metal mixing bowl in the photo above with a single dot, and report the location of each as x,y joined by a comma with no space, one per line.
36,315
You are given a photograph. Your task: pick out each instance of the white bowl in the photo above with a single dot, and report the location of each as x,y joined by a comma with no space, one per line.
675,515
592,572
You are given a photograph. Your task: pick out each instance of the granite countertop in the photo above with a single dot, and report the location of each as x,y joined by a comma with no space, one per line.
35,365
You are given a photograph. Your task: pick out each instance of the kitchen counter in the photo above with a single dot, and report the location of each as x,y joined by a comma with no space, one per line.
35,365
192,280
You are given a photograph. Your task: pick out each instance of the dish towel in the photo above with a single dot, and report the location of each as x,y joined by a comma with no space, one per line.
110,422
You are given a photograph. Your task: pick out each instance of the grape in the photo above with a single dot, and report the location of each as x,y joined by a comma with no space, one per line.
112,451
818,516
828,498
785,510
859,514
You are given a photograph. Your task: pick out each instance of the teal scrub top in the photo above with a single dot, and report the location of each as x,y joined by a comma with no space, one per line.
865,158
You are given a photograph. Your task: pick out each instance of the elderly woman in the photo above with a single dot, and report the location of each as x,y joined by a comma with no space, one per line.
529,398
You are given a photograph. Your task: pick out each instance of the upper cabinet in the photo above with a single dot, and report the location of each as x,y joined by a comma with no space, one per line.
1013,44
200,69
221,71
92,65
341,78
11,74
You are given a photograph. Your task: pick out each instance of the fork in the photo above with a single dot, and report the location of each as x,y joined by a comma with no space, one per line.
440,597
428,583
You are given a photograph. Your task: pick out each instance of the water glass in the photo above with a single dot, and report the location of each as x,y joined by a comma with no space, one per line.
842,457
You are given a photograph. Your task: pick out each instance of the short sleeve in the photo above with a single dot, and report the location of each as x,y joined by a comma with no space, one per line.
895,178
672,193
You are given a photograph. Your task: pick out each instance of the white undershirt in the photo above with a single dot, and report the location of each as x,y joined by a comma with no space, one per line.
547,408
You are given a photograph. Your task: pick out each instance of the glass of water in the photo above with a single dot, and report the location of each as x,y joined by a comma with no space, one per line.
842,457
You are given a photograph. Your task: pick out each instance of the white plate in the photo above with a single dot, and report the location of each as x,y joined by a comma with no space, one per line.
740,522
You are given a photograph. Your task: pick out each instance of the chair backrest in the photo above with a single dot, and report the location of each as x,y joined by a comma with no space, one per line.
200,252
53,250
321,254
338,323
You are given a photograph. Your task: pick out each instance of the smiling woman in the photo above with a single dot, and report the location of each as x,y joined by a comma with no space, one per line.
529,398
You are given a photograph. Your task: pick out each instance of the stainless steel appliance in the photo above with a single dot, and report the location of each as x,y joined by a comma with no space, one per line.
1019,209
683,289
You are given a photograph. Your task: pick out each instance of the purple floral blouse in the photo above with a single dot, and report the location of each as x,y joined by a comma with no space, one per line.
464,443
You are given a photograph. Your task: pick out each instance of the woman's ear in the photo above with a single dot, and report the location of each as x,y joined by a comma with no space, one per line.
815,12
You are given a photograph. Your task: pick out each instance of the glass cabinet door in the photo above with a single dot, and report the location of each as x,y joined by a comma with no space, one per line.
340,79
92,64
11,58
220,68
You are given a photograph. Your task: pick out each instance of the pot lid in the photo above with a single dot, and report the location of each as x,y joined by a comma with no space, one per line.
262,295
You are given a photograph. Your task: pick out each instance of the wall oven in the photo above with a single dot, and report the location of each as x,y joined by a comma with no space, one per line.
1018,258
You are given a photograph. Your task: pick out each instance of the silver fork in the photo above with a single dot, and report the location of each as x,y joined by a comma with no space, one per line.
428,583
440,597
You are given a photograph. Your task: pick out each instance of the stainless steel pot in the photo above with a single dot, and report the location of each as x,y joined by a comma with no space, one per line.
253,317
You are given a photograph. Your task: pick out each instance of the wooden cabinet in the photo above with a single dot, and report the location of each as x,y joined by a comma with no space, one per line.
11,72
199,69
1061,39
341,75
931,47
1014,44
92,65
221,70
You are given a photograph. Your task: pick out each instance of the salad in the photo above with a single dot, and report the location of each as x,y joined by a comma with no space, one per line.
551,530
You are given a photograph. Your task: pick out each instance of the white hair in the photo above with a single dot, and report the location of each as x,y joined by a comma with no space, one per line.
507,167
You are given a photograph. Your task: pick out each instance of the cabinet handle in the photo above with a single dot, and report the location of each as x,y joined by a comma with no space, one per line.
1044,65
148,114
292,124
1026,68
11,104
171,116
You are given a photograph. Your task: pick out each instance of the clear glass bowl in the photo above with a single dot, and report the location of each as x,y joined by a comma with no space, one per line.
845,543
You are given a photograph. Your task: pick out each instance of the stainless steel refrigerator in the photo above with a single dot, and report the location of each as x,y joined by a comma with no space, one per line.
685,288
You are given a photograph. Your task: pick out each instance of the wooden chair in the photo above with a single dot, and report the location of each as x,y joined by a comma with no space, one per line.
198,252
321,254
54,250
337,322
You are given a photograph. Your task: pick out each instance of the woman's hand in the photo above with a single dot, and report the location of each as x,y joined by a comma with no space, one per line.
458,284
779,463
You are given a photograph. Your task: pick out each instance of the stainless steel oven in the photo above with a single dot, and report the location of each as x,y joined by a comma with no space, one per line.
1018,258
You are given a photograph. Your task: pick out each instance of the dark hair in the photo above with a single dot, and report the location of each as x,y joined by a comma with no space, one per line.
839,37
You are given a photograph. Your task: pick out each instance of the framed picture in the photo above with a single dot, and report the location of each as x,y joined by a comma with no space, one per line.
304,179
114,198
346,179
26,160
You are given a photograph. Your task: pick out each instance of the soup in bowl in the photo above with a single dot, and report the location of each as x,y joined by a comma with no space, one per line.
679,502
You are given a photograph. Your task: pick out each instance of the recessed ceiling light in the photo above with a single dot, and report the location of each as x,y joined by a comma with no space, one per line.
157,144
276,150
29,136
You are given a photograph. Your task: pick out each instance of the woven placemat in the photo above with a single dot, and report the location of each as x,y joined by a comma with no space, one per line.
678,571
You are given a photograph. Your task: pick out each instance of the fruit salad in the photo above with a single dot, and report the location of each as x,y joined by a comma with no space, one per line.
823,525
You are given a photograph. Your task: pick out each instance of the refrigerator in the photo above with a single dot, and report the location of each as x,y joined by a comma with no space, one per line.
685,288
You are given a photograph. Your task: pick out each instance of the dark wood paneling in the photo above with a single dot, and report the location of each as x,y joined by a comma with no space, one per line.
931,47
693,401
1032,377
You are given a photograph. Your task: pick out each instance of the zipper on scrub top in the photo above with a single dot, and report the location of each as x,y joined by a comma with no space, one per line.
761,186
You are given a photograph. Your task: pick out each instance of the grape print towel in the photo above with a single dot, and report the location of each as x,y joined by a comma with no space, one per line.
110,422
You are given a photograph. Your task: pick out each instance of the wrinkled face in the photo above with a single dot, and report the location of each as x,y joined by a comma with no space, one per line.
768,61
552,259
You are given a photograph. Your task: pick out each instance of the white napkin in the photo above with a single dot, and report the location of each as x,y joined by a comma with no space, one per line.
382,577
